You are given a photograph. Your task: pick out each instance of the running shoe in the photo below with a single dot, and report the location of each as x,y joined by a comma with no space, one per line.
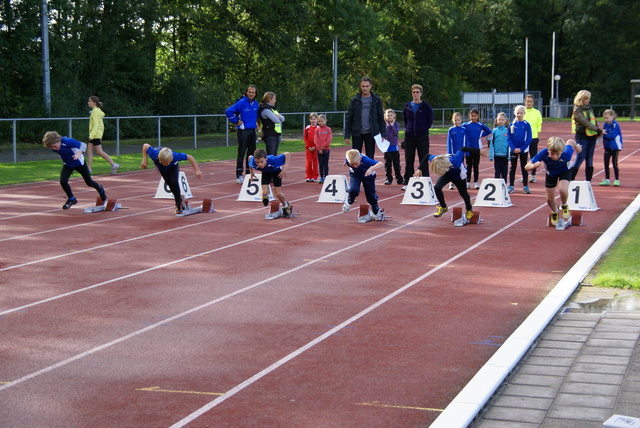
346,207
605,182
114,168
70,201
441,210
554,219
616,183
566,214
526,190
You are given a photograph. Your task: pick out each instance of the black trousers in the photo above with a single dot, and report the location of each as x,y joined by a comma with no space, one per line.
84,172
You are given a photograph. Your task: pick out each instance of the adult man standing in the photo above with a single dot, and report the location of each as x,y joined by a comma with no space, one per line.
244,114
365,119
417,116
533,116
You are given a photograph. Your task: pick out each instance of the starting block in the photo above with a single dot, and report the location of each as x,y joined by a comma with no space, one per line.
574,220
365,214
109,205
276,211
460,219
206,207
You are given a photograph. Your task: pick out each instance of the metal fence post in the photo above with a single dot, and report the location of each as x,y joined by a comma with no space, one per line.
195,132
117,136
159,132
14,143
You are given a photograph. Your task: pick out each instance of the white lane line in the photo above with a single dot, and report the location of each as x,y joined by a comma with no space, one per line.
248,382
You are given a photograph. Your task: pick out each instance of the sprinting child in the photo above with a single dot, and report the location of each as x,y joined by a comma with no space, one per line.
519,142
273,169
451,169
499,147
323,146
475,131
311,154
456,137
362,169
71,152
96,131
392,155
557,157
166,161
612,142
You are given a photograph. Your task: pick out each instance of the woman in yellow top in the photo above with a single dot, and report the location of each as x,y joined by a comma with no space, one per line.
533,116
96,129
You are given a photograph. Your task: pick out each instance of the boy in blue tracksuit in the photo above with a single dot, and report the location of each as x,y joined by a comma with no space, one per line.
71,151
451,169
557,159
612,142
273,169
475,131
244,114
519,142
166,160
362,169
499,148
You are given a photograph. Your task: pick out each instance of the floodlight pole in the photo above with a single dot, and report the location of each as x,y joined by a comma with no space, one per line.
335,73
526,65
46,78
553,63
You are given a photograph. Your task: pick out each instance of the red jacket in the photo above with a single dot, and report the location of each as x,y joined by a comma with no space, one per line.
309,136
323,138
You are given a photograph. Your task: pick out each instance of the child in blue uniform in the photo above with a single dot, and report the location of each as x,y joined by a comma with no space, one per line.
392,155
499,148
557,159
475,131
456,137
167,162
612,142
451,169
362,169
71,152
519,142
273,169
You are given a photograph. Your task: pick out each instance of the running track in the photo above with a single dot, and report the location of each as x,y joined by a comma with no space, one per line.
139,318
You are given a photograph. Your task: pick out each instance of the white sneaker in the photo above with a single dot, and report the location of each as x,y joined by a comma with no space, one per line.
468,185
114,168
379,216
475,186
346,207
240,180
450,186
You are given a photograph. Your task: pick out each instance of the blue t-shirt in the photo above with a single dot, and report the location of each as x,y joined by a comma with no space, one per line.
274,163
365,164
177,157
554,168
457,170
68,148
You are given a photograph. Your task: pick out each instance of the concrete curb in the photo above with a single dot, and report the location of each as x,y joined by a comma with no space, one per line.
470,401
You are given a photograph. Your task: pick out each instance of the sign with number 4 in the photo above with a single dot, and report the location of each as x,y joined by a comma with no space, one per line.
252,189
334,189
419,192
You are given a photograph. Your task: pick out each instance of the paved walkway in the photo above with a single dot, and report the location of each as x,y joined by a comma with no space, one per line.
584,369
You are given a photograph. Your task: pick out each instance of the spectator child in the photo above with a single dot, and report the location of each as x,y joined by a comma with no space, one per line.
451,169
311,154
166,160
533,116
519,142
456,137
392,155
273,169
475,130
612,142
499,148
322,141
362,169
96,131
71,151
557,159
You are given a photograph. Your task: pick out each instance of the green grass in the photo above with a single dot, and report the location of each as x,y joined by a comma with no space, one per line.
619,267
42,170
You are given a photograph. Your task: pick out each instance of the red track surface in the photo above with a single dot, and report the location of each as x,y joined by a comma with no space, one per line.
139,318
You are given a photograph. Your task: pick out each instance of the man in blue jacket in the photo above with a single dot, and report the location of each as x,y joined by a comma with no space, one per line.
417,116
244,114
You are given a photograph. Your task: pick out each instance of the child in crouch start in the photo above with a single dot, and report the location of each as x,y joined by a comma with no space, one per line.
557,159
451,169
